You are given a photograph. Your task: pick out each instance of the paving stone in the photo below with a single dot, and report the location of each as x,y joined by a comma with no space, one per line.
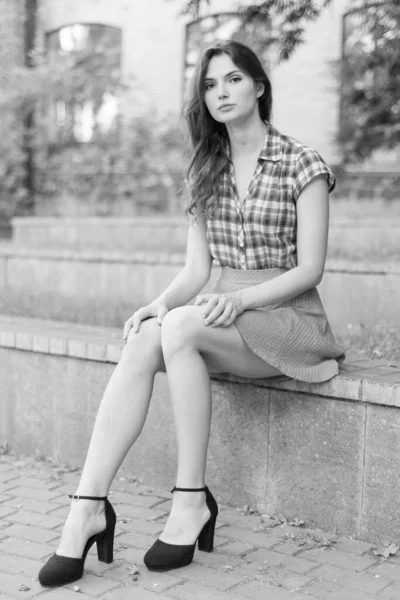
360,581
234,517
35,519
210,577
7,477
136,540
64,594
289,548
38,506
92,585
297,565
340,559
189,590
31,534
138,512
352,546
386,569
131,593
6,510
94,566
157,582
37,494
16,564
9,585
217,560
326,590
24,548
391,592
275,575
263,591
28,482
254,538
137,526
130,555
237,548
137,500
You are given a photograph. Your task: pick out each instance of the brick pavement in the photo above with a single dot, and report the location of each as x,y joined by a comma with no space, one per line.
253,558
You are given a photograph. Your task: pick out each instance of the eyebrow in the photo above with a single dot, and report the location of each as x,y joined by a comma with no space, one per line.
227,75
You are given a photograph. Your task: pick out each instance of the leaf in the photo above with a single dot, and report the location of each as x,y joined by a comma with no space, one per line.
386,551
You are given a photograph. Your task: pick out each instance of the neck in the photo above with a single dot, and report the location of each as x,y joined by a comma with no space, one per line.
247,137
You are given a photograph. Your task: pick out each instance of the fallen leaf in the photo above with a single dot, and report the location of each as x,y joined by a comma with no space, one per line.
386,551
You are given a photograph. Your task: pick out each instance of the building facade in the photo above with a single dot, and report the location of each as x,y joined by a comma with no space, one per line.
156,50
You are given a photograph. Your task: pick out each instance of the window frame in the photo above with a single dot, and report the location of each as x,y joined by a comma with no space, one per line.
55,143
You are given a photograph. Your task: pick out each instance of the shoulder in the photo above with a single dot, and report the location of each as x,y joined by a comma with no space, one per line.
293,149
301,163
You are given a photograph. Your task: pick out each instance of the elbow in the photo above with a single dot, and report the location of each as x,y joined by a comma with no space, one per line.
313,275
316,277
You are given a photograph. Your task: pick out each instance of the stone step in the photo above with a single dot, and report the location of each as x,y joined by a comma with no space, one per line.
363,238
106,287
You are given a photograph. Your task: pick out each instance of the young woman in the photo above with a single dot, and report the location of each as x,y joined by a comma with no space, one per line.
258,206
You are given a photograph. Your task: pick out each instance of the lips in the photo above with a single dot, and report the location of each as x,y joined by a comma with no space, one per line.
224,106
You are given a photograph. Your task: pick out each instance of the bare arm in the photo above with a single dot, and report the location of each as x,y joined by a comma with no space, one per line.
312,241
196,271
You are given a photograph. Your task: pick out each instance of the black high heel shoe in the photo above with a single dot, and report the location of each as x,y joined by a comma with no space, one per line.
60,570
164,557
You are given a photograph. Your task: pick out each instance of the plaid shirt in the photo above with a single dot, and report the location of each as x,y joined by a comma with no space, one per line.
262,234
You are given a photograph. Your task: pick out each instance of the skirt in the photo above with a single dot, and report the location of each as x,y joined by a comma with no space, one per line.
294,336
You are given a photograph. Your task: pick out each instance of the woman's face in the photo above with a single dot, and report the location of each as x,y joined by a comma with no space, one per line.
230,95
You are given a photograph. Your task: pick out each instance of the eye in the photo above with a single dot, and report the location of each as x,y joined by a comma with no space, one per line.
209,86
236,79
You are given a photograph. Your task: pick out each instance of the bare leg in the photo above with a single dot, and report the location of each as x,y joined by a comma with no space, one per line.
188,348
118,424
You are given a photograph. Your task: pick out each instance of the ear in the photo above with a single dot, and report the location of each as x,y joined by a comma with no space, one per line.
260,87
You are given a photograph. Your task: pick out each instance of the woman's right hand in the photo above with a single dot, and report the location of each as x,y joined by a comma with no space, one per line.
154,309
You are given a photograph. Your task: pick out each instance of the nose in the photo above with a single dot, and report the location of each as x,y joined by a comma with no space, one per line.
222,91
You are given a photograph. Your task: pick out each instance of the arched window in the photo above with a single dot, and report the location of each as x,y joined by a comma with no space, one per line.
86,62
370,91
223,26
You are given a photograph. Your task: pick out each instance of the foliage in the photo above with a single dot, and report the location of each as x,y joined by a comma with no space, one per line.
371,81
370,70
139,156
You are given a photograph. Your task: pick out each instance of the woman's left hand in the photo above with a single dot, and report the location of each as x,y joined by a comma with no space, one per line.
220,310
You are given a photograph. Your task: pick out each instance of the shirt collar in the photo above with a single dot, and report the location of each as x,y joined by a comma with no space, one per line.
272,149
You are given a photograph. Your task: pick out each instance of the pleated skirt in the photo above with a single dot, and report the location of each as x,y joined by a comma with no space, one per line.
294,336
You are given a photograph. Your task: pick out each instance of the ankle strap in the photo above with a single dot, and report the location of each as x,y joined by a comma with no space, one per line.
79,497
179,489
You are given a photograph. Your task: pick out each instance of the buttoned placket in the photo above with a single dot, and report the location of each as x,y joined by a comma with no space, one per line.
240,209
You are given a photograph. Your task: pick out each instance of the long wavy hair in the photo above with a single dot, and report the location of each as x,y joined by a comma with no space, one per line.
209,137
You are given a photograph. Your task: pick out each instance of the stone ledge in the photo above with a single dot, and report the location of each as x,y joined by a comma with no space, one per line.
333,265
370,381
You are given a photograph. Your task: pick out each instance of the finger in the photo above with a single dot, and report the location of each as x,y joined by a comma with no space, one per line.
216,312
127,327
137,318
212,302
161,314
223,318
201,299
231,319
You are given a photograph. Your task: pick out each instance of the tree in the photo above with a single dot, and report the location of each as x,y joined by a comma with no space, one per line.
369,70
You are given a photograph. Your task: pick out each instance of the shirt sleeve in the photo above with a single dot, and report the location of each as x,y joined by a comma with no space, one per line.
310,164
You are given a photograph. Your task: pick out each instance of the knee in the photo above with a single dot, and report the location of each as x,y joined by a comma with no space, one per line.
143,349
180,328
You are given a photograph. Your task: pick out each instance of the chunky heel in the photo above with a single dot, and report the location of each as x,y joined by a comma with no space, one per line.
164,557
60,570
205,540
105,547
